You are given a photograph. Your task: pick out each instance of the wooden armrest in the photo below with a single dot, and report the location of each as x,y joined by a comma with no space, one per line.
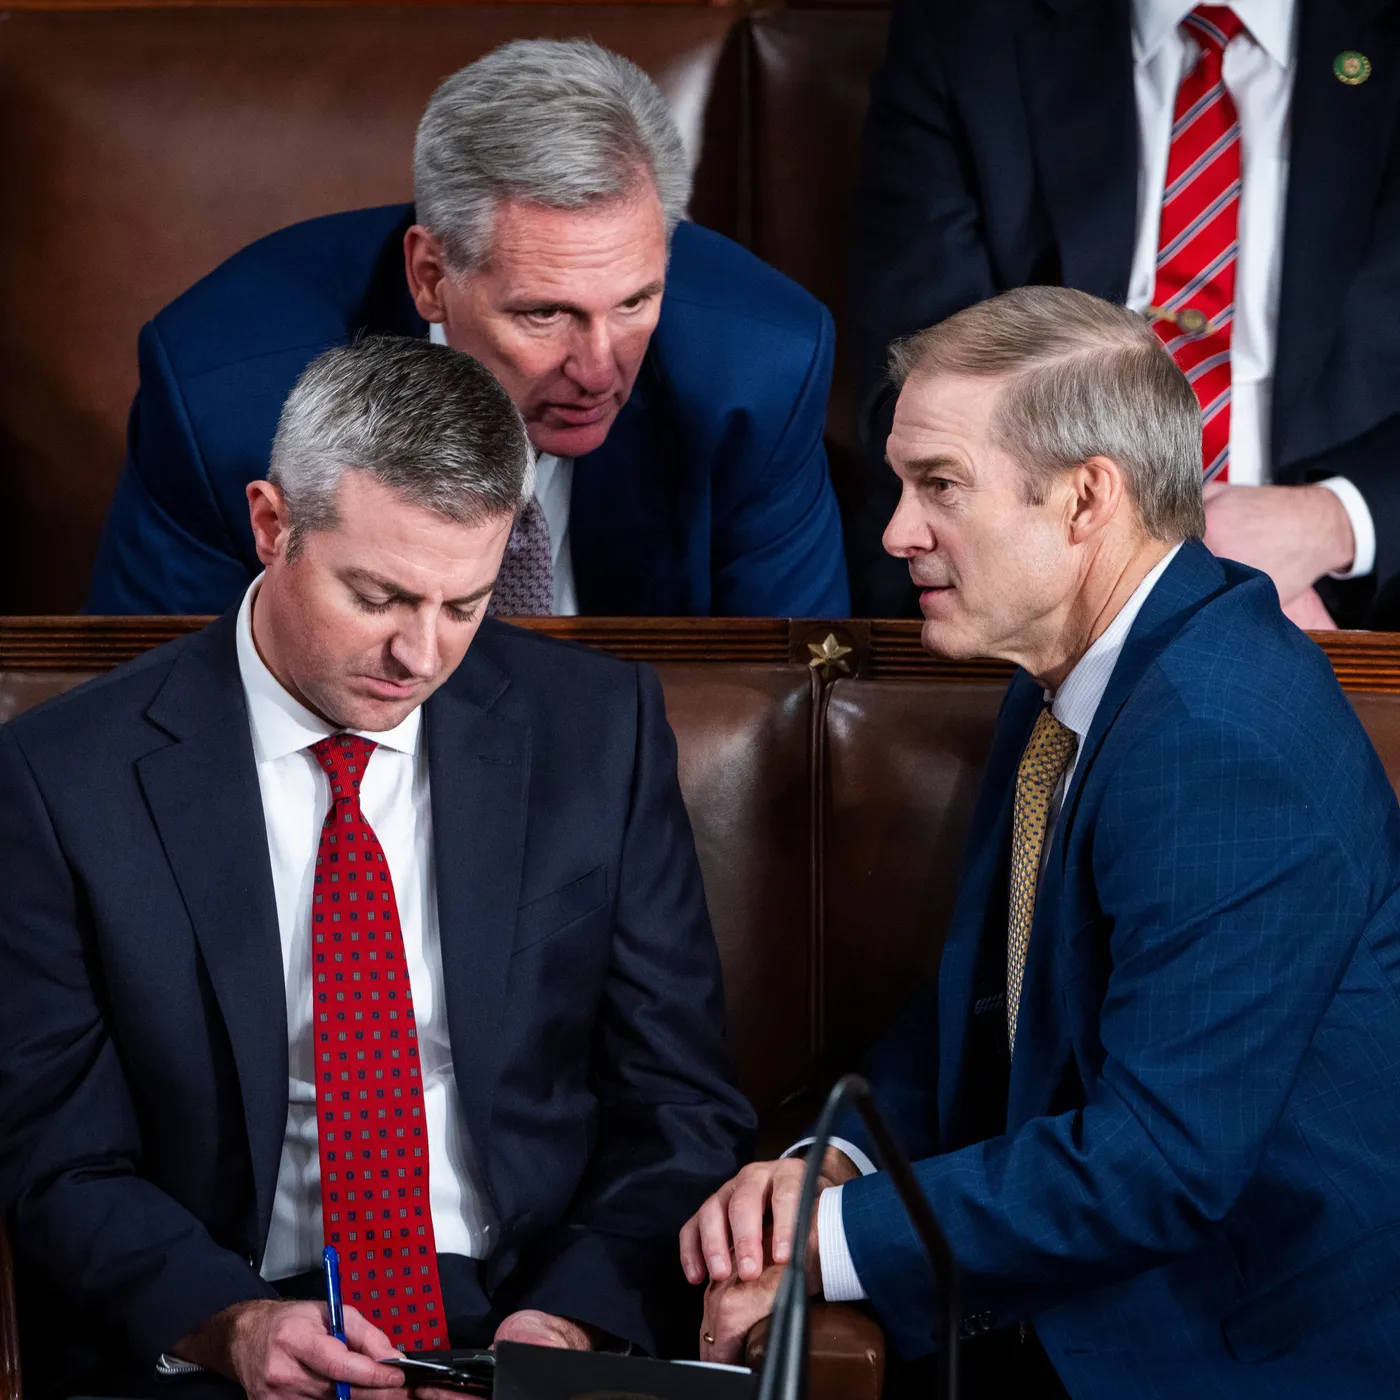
846,1353
9,1327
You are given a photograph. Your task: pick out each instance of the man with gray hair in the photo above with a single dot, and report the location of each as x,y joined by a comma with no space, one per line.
1153,1090
673,385
355,920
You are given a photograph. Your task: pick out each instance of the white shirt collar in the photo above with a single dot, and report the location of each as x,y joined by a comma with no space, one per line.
1270,23
281,724
1077,700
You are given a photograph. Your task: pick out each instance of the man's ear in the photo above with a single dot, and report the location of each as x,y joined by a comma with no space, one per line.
426,270
1098,492
270,519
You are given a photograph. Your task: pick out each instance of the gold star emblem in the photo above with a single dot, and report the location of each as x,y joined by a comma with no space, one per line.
829,655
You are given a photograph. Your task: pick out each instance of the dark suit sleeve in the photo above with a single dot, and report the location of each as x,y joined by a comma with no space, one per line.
777,535
672,1125
166,547
105,1240
1234,908
917,256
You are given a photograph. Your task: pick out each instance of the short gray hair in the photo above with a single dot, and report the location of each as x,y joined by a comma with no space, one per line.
562,123
427,421
1085,379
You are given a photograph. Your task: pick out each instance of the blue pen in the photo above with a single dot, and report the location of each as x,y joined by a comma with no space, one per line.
331,1260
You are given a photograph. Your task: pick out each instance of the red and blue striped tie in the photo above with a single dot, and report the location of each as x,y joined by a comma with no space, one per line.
1198,242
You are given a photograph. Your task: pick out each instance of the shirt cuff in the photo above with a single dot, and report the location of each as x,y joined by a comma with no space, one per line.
840,1282
862,1163
1363,528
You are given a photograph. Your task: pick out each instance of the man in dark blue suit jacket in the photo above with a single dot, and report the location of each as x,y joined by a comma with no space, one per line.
1023,142
158,1121
1154,1089
674,385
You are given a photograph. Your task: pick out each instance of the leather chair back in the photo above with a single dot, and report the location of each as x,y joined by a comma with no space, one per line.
744,735
829,824
141,147
811,81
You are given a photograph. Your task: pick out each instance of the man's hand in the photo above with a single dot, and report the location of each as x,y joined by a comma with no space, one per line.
1309,612
731,1224
536,1329
732,1307
284,1351
1295,534
541,1329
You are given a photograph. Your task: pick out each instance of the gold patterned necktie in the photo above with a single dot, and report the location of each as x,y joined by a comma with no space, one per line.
1052,745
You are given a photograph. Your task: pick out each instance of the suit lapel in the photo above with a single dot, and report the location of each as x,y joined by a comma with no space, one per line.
1191,579
1076,67
1042,1049
625,514
479,773
204,799
1341,137
989,835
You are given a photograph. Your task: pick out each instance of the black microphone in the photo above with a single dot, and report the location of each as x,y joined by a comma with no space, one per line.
785,1369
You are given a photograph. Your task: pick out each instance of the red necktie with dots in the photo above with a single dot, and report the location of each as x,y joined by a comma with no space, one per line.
375,1206
1198,242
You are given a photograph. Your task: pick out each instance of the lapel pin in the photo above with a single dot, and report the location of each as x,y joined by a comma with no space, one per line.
1351,68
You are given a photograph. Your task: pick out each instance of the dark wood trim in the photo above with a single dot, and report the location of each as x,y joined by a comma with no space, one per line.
879,650
9,1332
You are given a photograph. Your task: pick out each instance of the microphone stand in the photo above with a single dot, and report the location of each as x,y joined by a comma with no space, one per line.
785,1370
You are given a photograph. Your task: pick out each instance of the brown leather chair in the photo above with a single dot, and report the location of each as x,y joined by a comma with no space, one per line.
811,79
745,736
141,147
829,770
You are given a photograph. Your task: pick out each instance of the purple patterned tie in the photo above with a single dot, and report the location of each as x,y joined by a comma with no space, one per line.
525,585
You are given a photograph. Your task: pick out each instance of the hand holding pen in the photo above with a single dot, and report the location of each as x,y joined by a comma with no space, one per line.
331,1262
279,1350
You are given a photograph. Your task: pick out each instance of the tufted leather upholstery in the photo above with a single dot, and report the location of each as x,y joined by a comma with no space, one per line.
829,822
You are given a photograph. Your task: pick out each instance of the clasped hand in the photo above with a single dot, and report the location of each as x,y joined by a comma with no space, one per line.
1295,534
741,1239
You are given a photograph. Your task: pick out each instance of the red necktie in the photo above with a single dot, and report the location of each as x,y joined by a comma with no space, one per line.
1194,299
375,1205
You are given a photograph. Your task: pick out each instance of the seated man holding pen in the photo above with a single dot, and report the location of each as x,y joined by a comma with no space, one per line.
354,919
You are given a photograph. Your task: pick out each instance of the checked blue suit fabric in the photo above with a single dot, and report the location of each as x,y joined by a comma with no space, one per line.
1198,1187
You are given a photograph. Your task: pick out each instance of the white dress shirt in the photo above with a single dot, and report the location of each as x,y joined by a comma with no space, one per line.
1074,704
554,489
1258,72
395,799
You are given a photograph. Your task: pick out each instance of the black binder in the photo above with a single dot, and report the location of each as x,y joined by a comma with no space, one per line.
549,1373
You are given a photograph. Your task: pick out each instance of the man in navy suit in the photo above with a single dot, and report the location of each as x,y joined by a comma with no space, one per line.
320,928
1227,170
674,386
1153,1092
